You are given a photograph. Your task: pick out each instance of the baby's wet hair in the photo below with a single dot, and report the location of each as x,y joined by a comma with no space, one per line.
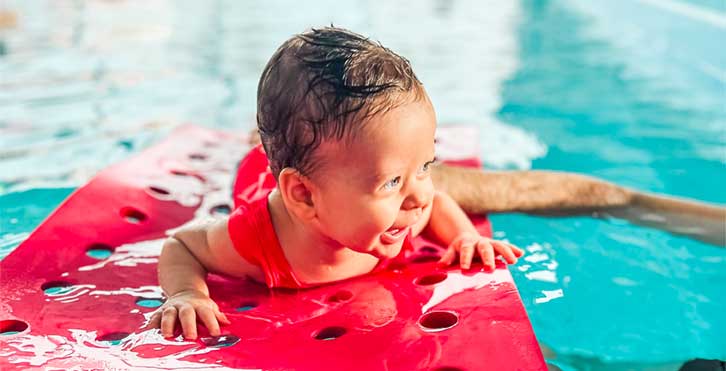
323,84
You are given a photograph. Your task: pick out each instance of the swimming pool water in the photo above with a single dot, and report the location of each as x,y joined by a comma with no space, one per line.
629,91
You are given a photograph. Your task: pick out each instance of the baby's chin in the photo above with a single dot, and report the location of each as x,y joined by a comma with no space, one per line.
386,251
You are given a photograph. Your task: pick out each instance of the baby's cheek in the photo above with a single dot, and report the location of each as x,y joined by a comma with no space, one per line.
393,213
430,191
377,220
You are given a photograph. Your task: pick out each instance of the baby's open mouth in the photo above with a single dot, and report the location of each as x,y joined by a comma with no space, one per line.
394,234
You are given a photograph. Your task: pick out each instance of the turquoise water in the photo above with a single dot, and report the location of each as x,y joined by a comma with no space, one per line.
628,91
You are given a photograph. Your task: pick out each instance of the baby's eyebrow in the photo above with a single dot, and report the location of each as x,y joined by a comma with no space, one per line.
377,177
381,176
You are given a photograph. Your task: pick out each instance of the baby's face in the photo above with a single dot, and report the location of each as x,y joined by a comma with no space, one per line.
372,190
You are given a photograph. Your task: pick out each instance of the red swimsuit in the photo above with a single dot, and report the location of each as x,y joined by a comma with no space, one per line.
254,238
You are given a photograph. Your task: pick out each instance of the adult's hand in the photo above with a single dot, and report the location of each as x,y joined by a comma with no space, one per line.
564,194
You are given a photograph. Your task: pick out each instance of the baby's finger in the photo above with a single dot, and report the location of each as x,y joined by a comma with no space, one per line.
505,251
209,319
448,257
466,254
154,321
222,318
168,319
486,251
188,319
517,251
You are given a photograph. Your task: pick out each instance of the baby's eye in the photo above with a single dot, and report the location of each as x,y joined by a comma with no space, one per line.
393,183
426,167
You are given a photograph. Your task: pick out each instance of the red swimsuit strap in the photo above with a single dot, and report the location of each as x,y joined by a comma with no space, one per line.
253,236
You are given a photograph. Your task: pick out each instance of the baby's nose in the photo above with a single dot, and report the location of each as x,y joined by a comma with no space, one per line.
415,200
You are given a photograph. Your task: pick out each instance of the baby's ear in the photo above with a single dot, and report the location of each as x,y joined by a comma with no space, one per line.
296,193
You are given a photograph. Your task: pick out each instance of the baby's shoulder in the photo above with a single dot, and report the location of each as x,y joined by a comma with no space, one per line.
234,257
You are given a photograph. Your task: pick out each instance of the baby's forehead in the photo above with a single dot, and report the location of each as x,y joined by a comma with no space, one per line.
347,158
342,152
401,134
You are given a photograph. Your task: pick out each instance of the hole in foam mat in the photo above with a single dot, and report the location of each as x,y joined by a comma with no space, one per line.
448,368
113,338
439,320
431,279
340,296
180,173
425,259
12,326
220,341
248,305
185,173
56,288
330,333
158,191
99,251
132,215
219,210
429,250
197,156
149,302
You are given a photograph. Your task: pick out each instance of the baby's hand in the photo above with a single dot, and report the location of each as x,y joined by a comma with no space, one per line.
187,305
467,243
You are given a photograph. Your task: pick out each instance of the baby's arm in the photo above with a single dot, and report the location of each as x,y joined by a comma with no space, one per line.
185,259
449,225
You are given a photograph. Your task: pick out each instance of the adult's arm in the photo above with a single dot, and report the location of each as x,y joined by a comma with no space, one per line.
562,194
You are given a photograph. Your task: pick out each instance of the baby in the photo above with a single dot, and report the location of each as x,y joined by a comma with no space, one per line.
348,130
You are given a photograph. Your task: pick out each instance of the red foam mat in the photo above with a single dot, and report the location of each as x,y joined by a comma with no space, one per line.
76,293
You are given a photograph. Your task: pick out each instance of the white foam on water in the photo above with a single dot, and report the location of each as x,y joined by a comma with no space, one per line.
542,267
536,258
549,295
624,281
545,276
551,265
534,247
